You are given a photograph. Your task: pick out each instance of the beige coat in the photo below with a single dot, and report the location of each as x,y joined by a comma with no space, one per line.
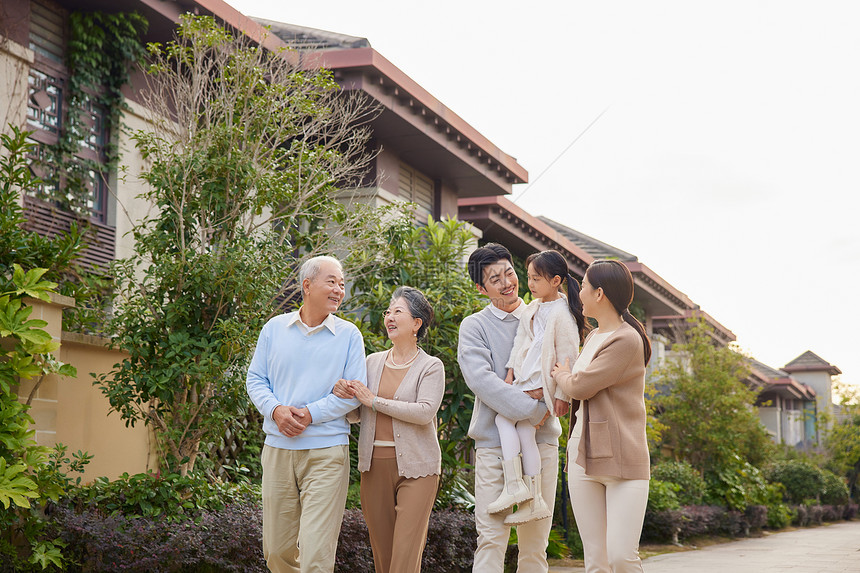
561,340
612,391
413,411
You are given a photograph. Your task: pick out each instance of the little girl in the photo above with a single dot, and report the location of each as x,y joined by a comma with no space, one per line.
550,330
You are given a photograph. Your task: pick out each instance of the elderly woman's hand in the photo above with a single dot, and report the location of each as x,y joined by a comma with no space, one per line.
361,392
342,390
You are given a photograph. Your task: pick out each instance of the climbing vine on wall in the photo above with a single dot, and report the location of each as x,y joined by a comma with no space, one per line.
101,50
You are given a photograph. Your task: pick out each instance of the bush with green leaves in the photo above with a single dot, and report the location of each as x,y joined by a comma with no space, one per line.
691,485
801,479
30,475
834,490
662,495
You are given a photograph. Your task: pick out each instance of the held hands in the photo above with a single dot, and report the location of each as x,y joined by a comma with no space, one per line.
559,367
342,390
347,389
291,421
561,407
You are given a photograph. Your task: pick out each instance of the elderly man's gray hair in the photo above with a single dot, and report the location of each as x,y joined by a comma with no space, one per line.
311,267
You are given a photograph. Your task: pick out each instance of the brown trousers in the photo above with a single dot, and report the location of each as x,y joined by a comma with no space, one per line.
397,511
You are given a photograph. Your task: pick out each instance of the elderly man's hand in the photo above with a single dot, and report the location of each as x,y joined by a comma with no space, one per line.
291,421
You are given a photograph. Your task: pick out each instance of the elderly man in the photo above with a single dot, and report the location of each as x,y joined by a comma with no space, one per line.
299,358
486,341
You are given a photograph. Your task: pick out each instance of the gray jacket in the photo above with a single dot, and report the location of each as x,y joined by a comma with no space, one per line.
484,349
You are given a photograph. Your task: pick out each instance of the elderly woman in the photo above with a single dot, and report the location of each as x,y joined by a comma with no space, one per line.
398,450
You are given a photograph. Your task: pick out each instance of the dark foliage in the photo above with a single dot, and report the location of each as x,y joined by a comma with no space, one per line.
225,540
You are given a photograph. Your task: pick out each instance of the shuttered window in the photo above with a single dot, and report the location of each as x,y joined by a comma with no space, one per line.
416,187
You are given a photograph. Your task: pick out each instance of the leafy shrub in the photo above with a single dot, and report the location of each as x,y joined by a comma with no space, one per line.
850,511
152,495
451,542
353,546
755,517
225,540
834,491
662,495
662,526
802,480
692,486
700,520
731,524
739,485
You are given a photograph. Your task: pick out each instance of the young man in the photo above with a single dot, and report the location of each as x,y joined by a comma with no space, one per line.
486,340
299,358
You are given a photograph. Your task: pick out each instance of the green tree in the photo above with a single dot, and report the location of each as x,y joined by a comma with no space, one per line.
247,155
428,257
708,410
842,439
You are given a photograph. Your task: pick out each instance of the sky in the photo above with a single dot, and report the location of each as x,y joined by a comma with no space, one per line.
727,157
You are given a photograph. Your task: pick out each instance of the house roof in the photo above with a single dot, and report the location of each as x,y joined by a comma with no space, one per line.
811,362
505,222
774,381
594,247
306,38
766,370
426,133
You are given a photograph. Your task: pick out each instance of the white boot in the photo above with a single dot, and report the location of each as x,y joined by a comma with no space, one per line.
532,510
515,490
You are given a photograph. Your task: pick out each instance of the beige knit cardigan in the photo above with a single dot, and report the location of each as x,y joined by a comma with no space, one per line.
413,413
560,341
612,391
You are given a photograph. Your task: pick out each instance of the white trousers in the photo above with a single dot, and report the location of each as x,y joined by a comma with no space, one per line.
609,512
493,534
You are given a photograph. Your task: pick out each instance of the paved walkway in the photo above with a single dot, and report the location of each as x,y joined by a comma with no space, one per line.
831,548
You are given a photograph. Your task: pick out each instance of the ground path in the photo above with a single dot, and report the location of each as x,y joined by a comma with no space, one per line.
833,548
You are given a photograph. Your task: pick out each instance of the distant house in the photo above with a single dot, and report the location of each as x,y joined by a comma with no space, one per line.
786,406
815,372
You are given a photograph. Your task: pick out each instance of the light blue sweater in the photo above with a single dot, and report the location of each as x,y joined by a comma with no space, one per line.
292,369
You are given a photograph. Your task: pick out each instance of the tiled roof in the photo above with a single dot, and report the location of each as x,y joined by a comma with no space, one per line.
595,248
304,38
768,371
811,362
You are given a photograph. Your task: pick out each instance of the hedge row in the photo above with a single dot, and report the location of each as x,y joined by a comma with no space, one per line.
697,520
230,540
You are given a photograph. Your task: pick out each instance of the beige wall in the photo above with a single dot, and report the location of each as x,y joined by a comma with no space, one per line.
73,411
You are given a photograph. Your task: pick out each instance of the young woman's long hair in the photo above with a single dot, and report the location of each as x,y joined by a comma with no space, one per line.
551,264
617,283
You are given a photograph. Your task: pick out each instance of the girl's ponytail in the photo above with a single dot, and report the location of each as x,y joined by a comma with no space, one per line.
575,304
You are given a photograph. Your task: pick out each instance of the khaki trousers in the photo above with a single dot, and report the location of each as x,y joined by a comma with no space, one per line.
304,494
609,512
397,511
493,534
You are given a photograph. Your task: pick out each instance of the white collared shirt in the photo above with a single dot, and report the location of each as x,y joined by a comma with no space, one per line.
514,314
296,319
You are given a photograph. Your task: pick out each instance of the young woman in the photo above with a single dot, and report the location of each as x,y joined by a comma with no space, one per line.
398,450
549,331
609,479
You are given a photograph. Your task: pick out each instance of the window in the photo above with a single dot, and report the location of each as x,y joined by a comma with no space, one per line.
416,187
48,117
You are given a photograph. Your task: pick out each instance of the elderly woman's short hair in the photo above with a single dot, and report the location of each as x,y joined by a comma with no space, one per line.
418,305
